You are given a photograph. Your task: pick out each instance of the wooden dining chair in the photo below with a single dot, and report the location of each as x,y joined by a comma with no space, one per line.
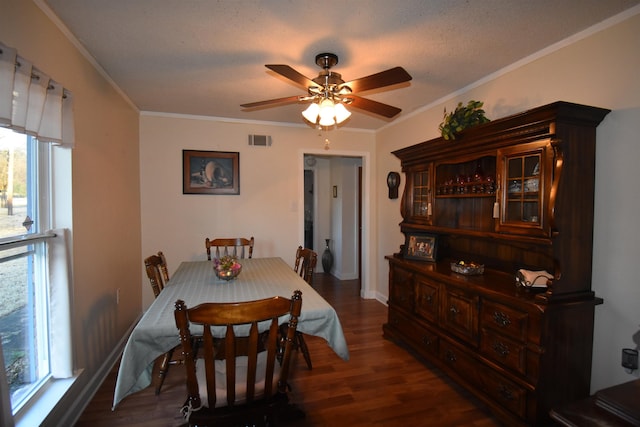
236,381
238,247
305,265
158,274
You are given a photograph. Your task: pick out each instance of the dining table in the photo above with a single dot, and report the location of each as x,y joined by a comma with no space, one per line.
195,282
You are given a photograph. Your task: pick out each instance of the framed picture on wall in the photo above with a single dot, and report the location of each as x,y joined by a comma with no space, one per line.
421,246
210,172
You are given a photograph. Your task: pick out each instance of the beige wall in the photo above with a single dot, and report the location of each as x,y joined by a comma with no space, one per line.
106,190
270,204
600,70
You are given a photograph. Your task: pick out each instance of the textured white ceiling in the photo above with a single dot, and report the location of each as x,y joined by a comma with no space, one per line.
205,57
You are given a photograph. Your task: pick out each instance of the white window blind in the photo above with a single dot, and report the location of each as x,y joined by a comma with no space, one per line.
31,102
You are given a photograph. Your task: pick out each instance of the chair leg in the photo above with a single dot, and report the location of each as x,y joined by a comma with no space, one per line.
298,344
164,367
302,345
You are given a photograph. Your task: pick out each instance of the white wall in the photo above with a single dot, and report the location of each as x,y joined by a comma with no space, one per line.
599,68
322,217
344,217
270,206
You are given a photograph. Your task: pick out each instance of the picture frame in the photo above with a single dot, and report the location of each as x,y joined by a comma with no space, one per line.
210,172
421,246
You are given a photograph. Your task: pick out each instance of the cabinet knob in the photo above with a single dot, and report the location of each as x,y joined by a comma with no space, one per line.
501,348
451,357
505,392
501,318
454,310
427,341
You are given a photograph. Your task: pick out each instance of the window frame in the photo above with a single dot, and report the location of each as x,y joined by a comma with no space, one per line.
41,395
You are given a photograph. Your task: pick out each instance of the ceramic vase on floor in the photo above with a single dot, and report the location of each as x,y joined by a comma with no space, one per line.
327,258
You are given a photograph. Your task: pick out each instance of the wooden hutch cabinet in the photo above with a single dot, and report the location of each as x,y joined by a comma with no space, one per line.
514,193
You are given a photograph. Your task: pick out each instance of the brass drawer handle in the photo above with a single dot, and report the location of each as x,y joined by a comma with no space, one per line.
501,349
501,318
451,357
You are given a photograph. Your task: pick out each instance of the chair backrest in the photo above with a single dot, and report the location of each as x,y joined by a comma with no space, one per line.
305,265
239,370
157,272
230,246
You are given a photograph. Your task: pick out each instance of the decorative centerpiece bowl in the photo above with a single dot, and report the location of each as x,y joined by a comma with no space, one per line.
227,267
467,268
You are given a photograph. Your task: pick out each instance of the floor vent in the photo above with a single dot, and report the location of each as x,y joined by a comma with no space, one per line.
260,140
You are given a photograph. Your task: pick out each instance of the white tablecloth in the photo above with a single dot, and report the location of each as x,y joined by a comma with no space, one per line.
194,283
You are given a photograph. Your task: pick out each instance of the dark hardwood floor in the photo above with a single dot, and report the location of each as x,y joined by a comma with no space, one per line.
381,385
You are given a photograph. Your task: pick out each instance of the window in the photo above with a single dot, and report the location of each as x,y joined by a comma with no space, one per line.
24,284
35,279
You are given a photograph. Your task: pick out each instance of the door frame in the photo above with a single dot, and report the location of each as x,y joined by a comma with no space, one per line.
367,276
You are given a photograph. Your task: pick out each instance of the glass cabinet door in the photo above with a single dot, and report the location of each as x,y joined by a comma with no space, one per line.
417,198
524,188
421,193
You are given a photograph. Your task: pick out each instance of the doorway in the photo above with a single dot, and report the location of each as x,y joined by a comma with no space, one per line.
333,211
308,207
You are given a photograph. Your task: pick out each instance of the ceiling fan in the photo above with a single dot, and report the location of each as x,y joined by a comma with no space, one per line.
329,94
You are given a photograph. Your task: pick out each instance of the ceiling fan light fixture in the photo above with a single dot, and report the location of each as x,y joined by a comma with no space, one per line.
327,113
311,113
341,112
329,92
326,121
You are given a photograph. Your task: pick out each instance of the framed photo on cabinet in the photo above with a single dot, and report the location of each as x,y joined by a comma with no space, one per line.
210,172
421,246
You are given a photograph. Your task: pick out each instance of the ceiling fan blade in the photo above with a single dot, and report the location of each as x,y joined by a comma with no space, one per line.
291,74
373,106
384,78
272,101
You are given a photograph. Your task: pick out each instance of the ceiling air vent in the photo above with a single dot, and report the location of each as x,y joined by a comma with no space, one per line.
260,140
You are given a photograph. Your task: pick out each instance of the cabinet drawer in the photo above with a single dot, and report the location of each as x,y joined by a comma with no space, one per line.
510,395
459,314
504,319
461,364
507,352
427,300
420,337
401,291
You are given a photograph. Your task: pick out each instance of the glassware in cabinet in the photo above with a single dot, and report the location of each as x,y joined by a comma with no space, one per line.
465,192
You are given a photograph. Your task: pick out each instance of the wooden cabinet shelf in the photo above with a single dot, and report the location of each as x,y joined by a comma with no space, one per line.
510,194
465,196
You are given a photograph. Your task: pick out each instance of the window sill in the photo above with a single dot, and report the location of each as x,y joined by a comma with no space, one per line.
36,411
